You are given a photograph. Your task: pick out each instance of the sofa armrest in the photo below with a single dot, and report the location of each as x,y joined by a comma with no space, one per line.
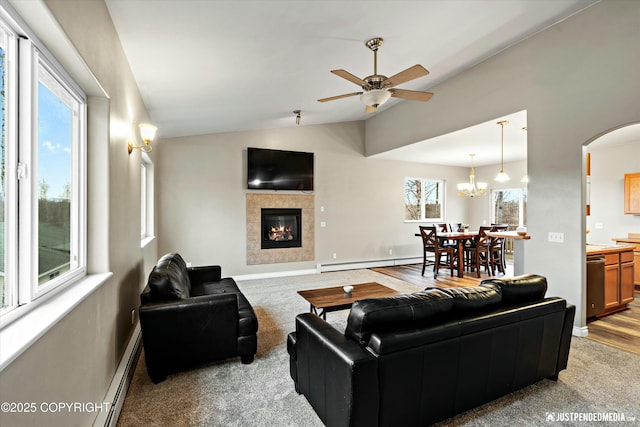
179,333
204,274
338,376
565,338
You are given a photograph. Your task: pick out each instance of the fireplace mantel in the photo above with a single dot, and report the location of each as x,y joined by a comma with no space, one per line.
255,203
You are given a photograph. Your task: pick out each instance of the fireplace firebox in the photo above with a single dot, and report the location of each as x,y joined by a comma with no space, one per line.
281,228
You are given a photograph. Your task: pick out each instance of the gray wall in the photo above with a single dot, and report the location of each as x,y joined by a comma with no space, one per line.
75,361
609,163
577,80
201,188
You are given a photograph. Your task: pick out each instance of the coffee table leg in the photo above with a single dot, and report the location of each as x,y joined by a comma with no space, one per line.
322,314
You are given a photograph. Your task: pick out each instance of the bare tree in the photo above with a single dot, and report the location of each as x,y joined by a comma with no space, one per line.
412,197
44,189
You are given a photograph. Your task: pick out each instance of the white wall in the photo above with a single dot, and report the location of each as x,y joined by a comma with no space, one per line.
609,163
577,79
201,187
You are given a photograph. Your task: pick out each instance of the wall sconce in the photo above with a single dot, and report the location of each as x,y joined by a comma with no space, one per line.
147,133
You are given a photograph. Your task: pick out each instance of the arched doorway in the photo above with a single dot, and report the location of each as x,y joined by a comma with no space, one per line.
608,157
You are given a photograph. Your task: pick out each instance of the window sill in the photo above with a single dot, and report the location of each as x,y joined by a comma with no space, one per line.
17,334
146,241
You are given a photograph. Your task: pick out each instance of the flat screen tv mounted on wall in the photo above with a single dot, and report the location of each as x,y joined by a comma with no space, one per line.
279,170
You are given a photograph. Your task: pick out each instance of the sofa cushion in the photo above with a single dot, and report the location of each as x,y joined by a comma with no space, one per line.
520,289
405,311
169,278
475,297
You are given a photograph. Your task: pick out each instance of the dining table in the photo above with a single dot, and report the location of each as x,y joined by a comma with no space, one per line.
460,237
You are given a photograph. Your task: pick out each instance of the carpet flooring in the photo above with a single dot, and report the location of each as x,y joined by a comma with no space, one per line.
600,381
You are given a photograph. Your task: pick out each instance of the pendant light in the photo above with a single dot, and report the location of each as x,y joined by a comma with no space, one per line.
502,176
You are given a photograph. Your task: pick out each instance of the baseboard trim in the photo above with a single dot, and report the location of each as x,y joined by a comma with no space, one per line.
121,381
323,268
580,331
274,274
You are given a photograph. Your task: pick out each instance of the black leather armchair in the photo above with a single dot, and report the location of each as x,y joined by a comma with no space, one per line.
191,316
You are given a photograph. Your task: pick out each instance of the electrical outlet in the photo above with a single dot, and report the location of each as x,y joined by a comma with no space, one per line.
390,251
323,224
555,237
335,255
599,225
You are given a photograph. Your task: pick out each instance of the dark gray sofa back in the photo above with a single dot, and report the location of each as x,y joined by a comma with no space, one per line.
169,279
372,315
436,306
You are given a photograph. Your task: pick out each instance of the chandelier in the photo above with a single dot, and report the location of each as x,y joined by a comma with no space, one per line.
470,189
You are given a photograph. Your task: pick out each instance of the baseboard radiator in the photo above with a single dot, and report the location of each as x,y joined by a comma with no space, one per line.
121,381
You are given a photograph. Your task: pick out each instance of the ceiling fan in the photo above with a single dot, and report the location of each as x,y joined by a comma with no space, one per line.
378,88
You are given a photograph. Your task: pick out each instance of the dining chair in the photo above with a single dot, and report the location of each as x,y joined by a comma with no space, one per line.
429,242
444,228
497,252
479,251
450,252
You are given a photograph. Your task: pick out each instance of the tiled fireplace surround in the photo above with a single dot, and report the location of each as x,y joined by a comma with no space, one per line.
255,202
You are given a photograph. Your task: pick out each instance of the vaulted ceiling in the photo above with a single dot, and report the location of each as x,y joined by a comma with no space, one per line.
222,66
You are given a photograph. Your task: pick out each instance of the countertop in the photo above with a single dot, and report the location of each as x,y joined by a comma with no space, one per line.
627,239
596,249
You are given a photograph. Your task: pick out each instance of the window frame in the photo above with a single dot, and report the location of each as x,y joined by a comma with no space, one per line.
147,212
522,197
21,149
423,218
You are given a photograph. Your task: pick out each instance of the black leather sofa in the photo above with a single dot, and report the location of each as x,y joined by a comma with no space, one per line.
191,316
416,359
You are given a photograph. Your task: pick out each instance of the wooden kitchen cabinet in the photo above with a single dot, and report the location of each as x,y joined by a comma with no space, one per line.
632,193
611,281
626,281
633,240
618,276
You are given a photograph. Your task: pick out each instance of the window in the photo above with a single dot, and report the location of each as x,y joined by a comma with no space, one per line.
423,199
146,198
5,295
42,196
509,206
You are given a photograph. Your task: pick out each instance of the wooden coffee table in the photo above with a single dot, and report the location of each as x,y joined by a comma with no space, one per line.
334,299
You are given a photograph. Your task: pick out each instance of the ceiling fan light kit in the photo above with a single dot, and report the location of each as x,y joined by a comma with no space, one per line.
375,97
377,89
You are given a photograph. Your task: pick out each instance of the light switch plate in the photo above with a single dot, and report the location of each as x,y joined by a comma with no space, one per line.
556,237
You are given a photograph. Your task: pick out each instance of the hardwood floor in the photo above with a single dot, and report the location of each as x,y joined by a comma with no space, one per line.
412,274
620,330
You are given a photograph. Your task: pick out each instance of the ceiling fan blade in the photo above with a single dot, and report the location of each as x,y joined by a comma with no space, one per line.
333,98
370,109
412,95
348,76
405,76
